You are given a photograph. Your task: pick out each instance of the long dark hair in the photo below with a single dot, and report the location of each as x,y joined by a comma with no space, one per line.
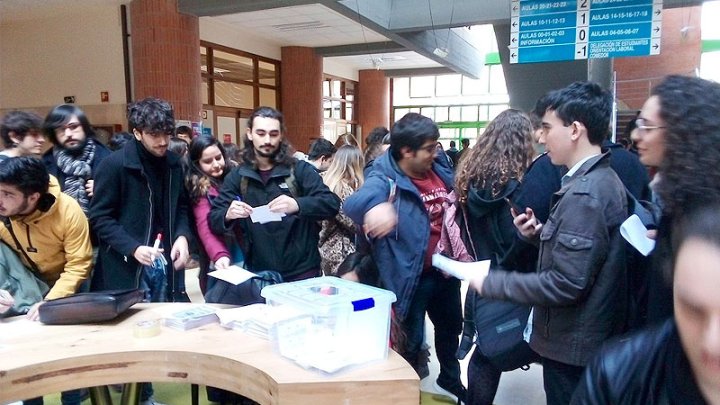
690,110
60,115
197,182
285,153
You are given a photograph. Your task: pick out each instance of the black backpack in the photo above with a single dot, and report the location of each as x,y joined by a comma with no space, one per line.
245,293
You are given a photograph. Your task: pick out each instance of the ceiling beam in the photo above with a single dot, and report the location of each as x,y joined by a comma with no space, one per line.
434,71
360,49
206,8
462,56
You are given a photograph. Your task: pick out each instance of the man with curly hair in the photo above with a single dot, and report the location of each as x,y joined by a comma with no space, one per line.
139,194
678,132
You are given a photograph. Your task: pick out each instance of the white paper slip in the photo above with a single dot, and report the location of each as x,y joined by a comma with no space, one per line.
635,233
460,270
232,274
263,215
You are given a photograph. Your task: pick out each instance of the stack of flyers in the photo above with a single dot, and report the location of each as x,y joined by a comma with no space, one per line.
191,318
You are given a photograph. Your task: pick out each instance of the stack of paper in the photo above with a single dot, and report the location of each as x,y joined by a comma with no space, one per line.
255,319
191,318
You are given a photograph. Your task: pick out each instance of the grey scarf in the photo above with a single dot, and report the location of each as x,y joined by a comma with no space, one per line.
77,171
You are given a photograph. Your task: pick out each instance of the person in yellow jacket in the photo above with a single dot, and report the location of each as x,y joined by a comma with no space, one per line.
45,228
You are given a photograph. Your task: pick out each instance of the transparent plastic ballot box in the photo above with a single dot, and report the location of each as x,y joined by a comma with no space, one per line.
339,323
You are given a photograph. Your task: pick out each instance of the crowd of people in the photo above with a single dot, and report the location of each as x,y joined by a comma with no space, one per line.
563,287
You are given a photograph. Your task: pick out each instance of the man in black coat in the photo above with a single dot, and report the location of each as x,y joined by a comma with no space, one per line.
140,212
270,178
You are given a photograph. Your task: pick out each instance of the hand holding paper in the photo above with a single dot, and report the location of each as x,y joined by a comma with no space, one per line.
635,233
263,215
461,270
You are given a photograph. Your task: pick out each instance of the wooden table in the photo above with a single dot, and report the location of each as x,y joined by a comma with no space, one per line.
37,359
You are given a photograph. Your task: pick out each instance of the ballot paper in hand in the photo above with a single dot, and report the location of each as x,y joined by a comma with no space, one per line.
460,270
263,215
635,233
232,274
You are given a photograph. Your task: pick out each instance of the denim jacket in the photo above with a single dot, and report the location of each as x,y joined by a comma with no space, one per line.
400,254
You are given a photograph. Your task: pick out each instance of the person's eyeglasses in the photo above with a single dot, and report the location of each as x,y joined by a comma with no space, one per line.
429,148
642,125
71,126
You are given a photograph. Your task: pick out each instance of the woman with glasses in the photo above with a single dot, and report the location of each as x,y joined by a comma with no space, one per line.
678,132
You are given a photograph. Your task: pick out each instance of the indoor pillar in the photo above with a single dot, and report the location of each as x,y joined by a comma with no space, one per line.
301,90
166,56
373,101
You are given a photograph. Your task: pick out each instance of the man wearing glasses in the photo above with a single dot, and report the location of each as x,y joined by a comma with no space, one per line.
75,154
400,208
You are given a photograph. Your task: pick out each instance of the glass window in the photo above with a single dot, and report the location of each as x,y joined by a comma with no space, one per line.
204,91
228,66
327,108
497,80
349,111
448,85
400,112
455,114
266,73
470,113
494,110
441,114
401,90
203,59
336,86
422,86
472,87
267,97
237,95
336,110
428,112
448,133
326,88
471,134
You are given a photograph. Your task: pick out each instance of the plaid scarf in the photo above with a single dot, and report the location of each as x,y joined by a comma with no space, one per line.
77,171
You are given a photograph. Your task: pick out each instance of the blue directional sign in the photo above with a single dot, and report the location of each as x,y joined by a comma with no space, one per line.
546,30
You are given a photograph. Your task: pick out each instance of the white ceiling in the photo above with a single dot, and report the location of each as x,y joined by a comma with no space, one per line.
315,25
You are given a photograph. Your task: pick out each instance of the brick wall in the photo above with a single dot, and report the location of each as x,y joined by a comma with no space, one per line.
301,89
165,56
373,101
680,54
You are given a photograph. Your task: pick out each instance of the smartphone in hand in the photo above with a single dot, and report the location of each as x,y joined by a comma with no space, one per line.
514,206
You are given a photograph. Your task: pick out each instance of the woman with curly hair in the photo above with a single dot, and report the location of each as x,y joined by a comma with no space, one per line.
337,236
208,165
678,131
487,180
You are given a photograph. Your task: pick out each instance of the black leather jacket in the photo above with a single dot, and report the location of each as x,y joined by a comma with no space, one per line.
647,368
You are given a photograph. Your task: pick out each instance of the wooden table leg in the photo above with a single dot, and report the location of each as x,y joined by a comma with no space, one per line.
100,395
130,394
